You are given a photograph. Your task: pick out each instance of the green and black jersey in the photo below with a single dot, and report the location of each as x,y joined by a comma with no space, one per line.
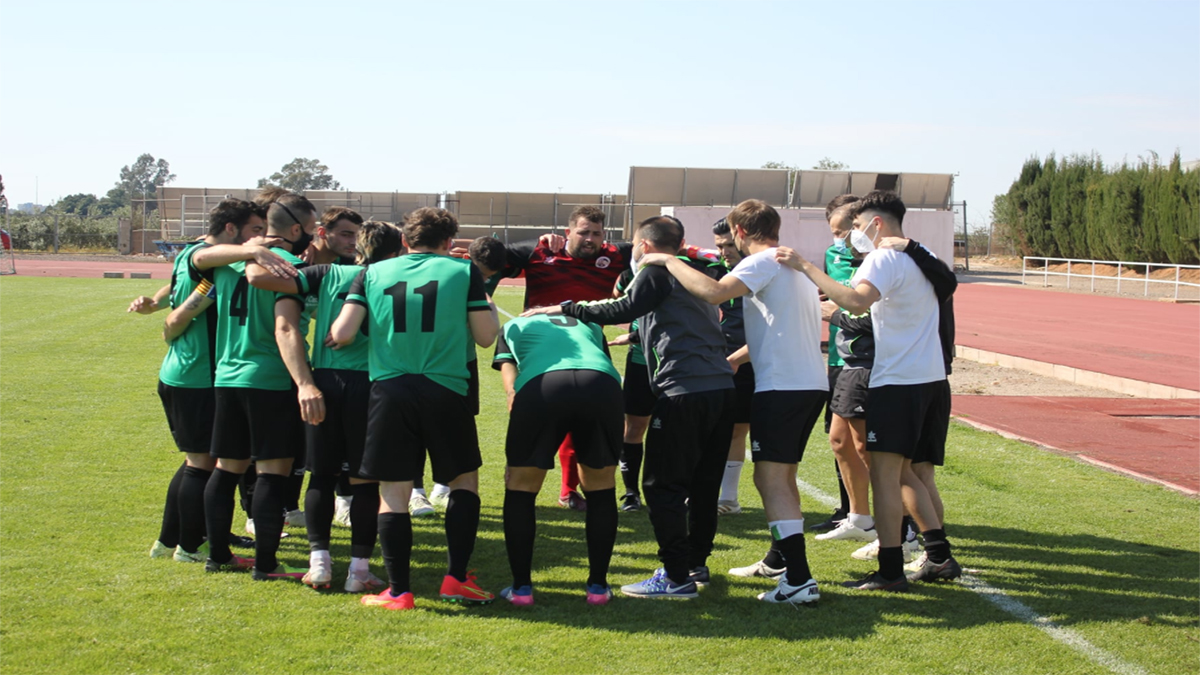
247,354
190,359
636,355
541,344
326,287
839,265
417,308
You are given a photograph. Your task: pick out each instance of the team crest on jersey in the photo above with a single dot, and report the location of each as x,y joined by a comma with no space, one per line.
549,260
603,262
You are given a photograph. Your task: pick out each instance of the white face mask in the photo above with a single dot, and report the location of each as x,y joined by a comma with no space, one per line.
861,242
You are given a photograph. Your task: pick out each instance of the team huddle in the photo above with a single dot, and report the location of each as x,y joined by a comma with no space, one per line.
724,345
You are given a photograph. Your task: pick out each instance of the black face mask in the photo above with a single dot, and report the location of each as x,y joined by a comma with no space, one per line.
300,245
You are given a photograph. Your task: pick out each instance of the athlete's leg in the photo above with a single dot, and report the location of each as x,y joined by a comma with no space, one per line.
218,506
601,527
631,451
522,484
270,492
395,533
191,500
728,502
776,483
168,532
568,495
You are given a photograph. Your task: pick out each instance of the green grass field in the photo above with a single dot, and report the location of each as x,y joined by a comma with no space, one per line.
86,457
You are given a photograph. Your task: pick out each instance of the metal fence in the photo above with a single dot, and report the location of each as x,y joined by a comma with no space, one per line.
57,233
1109,273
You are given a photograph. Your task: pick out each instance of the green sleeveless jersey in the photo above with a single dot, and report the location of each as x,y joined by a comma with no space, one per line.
190,357
541,344
837,266
329,286
417,308
247,355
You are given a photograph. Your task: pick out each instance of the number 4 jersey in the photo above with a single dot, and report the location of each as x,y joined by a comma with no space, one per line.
417,308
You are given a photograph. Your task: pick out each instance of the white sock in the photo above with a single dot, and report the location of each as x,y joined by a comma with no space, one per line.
439,489
729,484
316,556
419,491
860,521
782,529
360,565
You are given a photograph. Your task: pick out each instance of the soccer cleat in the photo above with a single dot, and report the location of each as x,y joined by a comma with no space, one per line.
360,581
758,569
235,564
573,501
786,593
320,571
199,556
631,502
875,582
295,518
521,597
160,550
465,592
598,594
280,572
837,517
341,510
727,507
918,564
699,576
419,506
240,541
660,586
440,496
871,551
845,530
388,601
931,571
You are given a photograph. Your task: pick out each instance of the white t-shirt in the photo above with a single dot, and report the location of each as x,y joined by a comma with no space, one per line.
783,325
908,349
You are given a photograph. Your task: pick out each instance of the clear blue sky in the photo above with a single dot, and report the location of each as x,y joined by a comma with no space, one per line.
537,96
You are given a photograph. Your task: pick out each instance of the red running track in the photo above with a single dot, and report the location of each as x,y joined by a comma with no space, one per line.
85,268
1143,340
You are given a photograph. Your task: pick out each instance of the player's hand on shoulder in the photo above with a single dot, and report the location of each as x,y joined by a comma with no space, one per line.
552,310
828,308
660,259
273,262
460,252
788,256
263,240
894,243
554,242
143,305
620,340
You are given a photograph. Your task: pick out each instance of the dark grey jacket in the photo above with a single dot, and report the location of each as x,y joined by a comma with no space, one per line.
680,333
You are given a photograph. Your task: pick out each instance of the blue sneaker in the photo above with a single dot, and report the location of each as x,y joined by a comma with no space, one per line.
660,586
521,596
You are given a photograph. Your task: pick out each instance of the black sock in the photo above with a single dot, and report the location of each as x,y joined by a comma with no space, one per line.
907,526
631,466
344,488
396,540
845,508
462,524
318,510
191,508
601,528
269,493
218,512
419,481
364,519
168,532
774,557
891,562
291,496
246,488
520,530
936,545
796,558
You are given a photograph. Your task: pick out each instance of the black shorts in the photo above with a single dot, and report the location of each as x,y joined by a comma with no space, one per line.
833,374
849,393
406,415
639,397
743,388
258,424
473,386
336,445
781,423
583,403
189,415
909,420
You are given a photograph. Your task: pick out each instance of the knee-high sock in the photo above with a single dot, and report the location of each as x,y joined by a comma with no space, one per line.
269,492
631,466
344,488
396,539
318,507
570,467
520,530
601,529
364,525
218,512
191,508
246,487
168,532
462,524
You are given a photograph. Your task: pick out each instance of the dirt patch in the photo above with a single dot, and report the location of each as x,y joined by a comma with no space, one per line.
970,377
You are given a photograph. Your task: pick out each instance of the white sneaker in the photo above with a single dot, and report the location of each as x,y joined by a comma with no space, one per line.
295,519
320,570
871,551
785,593
845,530
341,510
727,507
359,582
419,506
440,496
758,569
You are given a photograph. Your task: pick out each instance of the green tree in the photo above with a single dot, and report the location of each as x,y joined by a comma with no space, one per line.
77,203
827,164
302,174
140,179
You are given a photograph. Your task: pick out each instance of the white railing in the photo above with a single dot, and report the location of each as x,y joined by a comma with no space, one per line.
1045,272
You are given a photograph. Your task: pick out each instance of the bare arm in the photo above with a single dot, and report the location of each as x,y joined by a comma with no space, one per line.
739,357
855,300
260,277
294,351
485,326
508,373
150,305
346,326
698,283
181,317
226,254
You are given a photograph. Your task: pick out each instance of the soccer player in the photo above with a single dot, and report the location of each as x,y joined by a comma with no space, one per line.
638,398
783,322
559,379
692,419
421,310
186,376
734,328
908,397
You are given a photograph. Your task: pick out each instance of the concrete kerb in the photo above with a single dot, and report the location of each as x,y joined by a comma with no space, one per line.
1086,378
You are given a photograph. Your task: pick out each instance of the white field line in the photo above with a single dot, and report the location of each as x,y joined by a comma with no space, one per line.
504,312
1015,607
